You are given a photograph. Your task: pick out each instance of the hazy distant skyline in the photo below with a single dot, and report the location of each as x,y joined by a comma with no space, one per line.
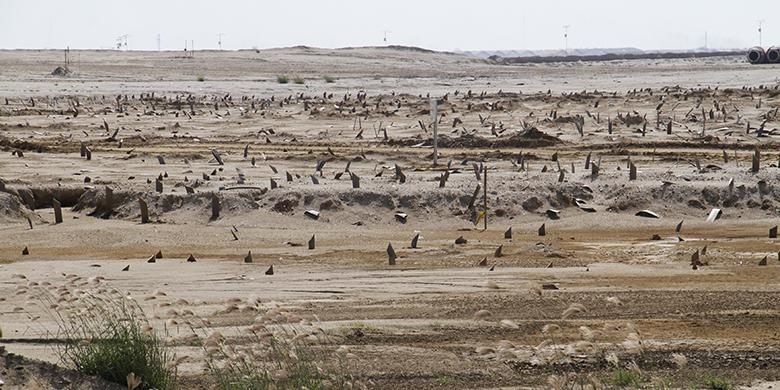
439,25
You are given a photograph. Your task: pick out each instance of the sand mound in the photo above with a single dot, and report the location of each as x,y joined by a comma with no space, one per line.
380,205
60,71
16,144
13,210
530,138
176,208
39,197
22,373
378,201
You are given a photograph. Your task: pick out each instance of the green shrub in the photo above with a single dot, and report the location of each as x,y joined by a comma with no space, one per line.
299,80
282,79
201,78
329,79
106,334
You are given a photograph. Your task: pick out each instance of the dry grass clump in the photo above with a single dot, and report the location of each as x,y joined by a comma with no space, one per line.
273,354
567,342
105,333
572,381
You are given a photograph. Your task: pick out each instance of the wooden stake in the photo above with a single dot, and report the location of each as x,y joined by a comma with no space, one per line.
57,210
484,177
144,210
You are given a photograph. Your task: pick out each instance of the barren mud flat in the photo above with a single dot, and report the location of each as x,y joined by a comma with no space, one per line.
630,208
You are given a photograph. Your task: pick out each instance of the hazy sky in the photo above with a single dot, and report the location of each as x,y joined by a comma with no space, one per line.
440,25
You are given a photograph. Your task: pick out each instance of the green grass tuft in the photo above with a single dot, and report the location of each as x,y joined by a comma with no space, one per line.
282,79
108,335
622,377
201,78
329,79
299,80
717,383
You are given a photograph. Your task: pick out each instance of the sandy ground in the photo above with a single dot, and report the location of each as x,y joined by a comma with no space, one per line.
436,318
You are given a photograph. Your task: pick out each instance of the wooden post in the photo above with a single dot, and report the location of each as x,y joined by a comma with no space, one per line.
215,207
756,161
703,123
57,211
434,116
144,210
484,177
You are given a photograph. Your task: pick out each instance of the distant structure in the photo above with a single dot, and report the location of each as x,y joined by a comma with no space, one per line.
219,42
385,32
566,37
189,52
757,55
121,41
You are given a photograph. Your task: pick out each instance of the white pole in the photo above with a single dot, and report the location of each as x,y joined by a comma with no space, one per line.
434,117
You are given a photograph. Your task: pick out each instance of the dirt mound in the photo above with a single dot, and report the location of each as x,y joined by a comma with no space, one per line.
39,197
177,208
530,138
432,203
16,144
692,196
61,71
22,373
13,210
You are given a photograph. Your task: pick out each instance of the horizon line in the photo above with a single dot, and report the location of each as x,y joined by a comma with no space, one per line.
453,51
